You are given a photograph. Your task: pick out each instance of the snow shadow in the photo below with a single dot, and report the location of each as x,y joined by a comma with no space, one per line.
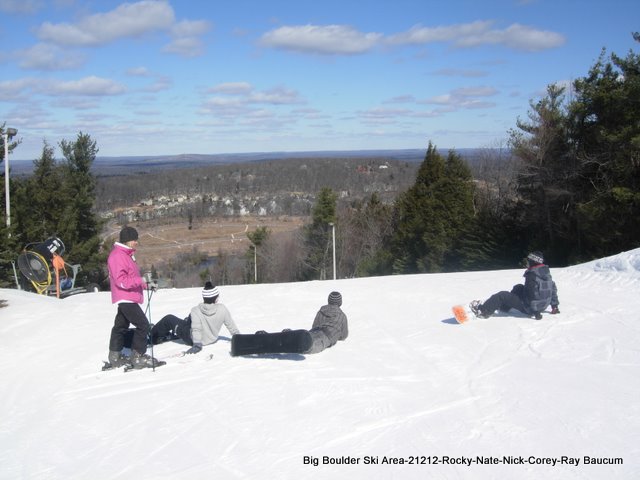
450,321
296,357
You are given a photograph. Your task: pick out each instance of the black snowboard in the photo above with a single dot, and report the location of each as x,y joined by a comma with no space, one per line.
288,341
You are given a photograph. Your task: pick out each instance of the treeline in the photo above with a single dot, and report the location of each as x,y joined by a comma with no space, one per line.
275,178
570,188
567,183
579,189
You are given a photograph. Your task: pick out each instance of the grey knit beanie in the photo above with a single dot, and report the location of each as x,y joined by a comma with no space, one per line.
335,298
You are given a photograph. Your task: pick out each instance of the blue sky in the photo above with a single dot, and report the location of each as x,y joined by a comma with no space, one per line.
170,77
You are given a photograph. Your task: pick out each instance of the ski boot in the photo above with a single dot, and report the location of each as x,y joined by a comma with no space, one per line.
476,308
116,360
141,360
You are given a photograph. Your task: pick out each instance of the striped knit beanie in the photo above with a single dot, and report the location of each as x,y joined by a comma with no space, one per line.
536,258
335,298
209,291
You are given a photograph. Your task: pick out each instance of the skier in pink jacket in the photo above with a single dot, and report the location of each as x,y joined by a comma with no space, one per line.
127,288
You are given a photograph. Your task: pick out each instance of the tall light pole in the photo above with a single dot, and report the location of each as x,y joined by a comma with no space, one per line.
8,134
333,230
255,263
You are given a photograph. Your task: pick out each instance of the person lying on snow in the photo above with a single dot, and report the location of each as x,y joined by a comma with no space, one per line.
329,326
538,292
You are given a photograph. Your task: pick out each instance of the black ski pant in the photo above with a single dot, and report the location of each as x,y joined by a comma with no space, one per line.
505,301
129,314
170,325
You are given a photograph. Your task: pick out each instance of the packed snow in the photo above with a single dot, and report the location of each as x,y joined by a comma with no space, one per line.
410,394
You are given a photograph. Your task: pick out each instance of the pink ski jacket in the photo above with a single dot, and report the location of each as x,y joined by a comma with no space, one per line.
126,283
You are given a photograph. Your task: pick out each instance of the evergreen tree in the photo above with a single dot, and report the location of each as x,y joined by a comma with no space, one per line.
416,221
578,189
317,235
79,226
40,216
430,219
546,207
606,133
494,239
457,194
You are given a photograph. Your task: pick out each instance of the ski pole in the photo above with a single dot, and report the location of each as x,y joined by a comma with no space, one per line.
147,313
153,359
147,310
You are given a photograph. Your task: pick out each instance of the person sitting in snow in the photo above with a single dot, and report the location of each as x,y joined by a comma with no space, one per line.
126,291
538,292
329,326
201,327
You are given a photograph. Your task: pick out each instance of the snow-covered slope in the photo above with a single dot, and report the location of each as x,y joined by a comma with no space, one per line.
408,384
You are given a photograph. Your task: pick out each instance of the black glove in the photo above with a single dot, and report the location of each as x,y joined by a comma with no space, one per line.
555,309
153,286
195,349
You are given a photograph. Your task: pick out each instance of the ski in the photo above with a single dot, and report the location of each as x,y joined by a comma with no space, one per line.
128,367
184,355
158,363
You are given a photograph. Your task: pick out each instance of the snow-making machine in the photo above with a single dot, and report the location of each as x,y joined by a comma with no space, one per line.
37,262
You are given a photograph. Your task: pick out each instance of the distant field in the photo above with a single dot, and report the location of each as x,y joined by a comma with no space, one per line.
160,242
